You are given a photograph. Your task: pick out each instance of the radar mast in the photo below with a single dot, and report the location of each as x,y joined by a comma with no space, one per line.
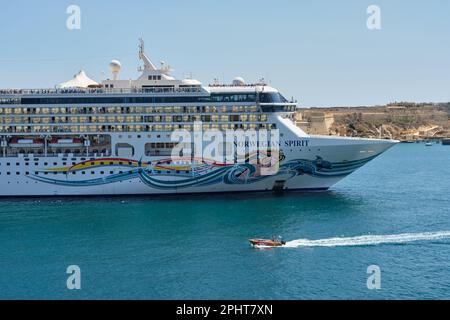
148,65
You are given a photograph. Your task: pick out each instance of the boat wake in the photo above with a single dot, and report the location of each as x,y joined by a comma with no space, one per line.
369,240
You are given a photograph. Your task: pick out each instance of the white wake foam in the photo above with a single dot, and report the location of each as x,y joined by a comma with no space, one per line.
369,240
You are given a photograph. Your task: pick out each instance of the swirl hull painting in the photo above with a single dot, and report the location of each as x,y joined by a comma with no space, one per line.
114,176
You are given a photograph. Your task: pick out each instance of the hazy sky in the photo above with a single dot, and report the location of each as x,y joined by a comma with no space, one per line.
320,52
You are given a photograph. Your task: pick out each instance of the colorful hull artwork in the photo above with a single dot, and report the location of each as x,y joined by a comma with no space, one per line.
166,175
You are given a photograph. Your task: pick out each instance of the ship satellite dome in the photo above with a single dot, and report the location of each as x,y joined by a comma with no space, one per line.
115,66
238,81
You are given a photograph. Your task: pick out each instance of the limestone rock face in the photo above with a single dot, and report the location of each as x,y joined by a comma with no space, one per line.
402,121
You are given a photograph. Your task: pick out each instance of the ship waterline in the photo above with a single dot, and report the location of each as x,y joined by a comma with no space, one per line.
116,138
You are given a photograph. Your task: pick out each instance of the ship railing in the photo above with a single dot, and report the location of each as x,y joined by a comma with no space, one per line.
154,90
225,85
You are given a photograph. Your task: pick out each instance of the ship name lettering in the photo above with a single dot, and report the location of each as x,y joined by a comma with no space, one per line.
296,143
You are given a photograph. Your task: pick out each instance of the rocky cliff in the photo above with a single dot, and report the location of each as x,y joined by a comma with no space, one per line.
402,121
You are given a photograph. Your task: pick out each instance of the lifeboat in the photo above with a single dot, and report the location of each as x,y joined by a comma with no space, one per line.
26,143
274,242
65,143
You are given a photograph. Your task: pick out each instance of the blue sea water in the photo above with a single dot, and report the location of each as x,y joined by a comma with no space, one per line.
195,247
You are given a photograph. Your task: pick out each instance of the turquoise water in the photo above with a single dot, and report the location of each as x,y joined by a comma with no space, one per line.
196,247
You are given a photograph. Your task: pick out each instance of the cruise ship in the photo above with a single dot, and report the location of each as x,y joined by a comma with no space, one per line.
116,138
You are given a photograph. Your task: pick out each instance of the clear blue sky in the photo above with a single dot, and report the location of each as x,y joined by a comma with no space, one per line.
320,52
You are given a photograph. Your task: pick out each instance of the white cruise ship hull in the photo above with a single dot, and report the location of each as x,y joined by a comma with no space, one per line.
317,167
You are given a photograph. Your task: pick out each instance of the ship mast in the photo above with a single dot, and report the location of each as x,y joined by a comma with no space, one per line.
148,65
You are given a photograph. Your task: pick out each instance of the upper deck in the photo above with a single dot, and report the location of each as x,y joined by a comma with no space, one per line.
226,94
154,86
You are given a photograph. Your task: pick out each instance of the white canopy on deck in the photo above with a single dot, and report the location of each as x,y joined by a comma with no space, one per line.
80,80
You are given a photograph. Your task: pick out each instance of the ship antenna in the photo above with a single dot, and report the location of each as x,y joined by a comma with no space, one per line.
141,47
148,65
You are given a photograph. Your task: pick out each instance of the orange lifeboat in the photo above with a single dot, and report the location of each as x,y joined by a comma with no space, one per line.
26,143
65,143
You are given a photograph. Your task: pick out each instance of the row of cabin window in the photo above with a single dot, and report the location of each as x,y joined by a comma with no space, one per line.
134,119
265,97
63,159
127,110
73,163
125,128
213,99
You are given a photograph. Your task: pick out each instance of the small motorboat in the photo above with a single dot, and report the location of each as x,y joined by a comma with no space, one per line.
429,144
274,242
